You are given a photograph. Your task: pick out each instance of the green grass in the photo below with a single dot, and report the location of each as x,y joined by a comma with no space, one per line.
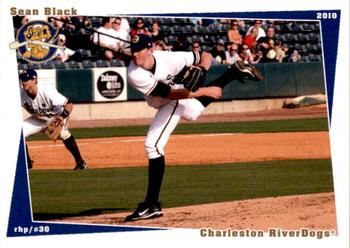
61,193
317,124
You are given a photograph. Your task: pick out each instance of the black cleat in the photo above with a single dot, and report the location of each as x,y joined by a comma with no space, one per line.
145,211
243,71
81,165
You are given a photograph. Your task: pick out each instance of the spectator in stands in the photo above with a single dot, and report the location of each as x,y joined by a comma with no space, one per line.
64,22
233,34
196,46
267,44
65,54
241,24
121,43
124,25
258,25
257,55
180,44
232,55
218,52
246,54
139,27
250,39
85,21
208,22
106,44
281,51
160,45
156,34
294,57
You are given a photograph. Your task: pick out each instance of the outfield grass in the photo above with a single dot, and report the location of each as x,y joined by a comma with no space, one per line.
63,193
305,125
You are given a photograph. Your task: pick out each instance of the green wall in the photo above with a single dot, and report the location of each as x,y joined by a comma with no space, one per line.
280,80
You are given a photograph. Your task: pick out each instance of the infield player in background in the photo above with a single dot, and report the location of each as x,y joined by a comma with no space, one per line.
43,105
152,73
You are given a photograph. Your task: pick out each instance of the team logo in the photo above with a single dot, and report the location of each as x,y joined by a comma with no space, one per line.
36,41
110,84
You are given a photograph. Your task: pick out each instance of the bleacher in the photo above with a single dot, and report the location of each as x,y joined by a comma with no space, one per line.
303,36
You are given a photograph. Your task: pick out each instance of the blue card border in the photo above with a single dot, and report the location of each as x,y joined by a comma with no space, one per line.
20,220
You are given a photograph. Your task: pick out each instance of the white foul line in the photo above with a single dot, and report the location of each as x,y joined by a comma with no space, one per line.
82,143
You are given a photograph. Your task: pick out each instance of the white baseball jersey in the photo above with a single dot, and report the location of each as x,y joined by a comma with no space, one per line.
43,107
167,65
47,103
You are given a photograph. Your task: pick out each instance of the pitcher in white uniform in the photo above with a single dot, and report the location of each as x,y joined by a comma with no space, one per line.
43,105
151,73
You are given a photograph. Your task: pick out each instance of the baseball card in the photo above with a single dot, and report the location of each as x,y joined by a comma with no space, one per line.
174,124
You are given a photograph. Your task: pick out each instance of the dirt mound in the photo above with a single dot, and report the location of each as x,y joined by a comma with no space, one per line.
313,211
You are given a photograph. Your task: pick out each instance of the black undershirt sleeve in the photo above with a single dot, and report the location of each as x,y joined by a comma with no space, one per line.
161,89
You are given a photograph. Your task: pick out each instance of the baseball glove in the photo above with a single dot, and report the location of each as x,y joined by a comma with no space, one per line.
53,129
191,77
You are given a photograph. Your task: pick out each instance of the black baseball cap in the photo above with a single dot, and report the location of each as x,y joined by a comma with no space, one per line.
140,42
28,75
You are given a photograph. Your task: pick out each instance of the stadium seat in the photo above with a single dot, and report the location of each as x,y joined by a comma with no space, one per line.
205,48
284,37
314,37
319,48
189,39
101,63
278,28
87,64
60,65
33,66
198,38
309,47
178,29
303,50
313,57
306,27
166,20
178,21
165,29
296,46
22,66
214,29
188,21
188,29
148,21
170,39
95,22
315,27
298,27
73,65
47,65
291,37
117,63
201,29
305,58
319,57
302,37
84,53
224,27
